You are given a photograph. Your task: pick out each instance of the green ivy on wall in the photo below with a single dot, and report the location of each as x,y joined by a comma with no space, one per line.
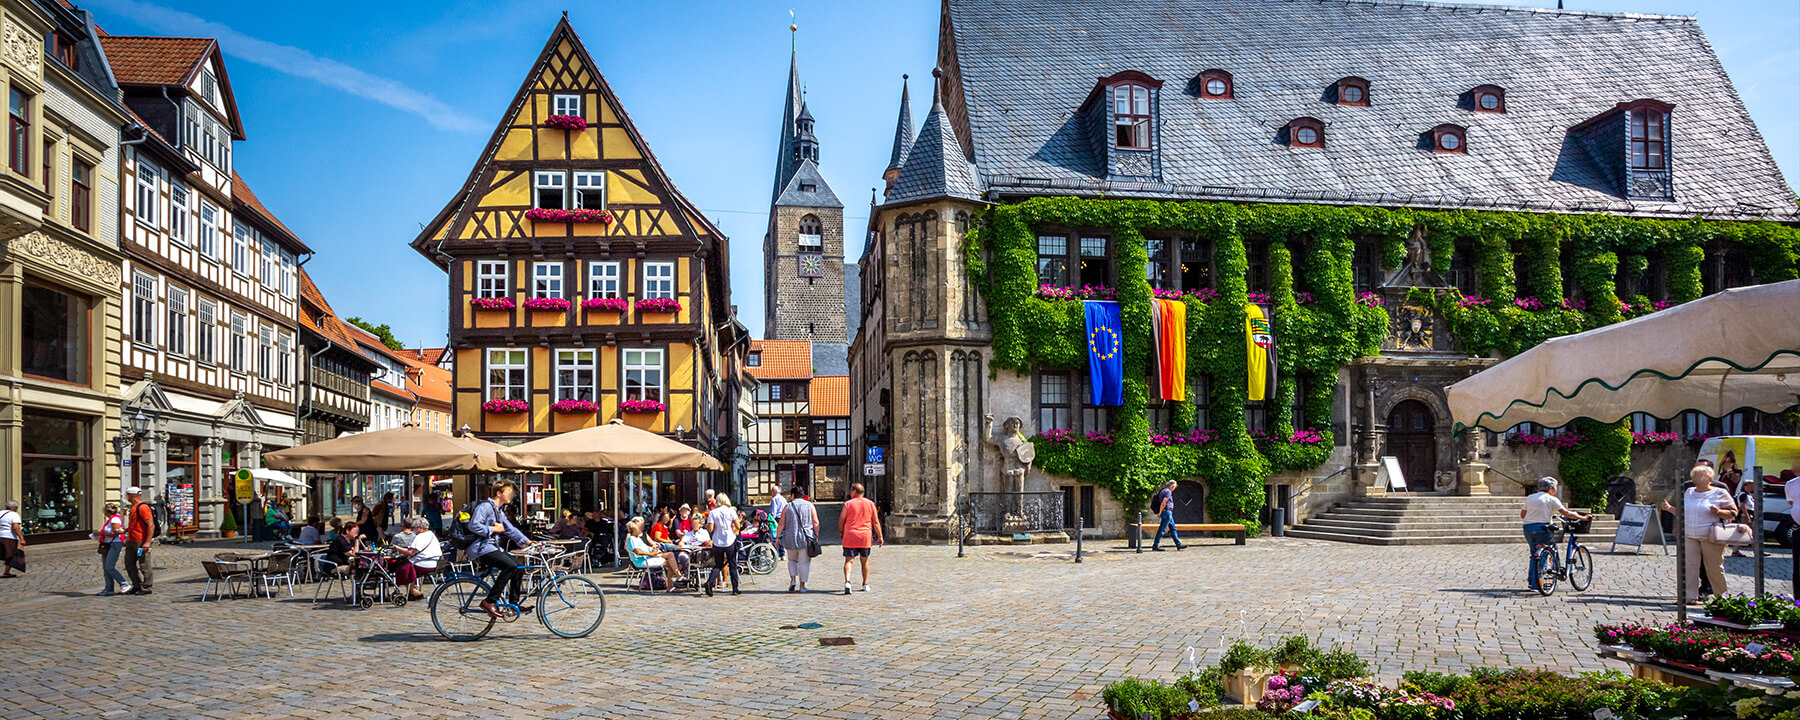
1310,251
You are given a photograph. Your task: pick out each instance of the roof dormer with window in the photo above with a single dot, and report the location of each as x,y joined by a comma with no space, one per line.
1484,99
1352,91
1630,143
1122,112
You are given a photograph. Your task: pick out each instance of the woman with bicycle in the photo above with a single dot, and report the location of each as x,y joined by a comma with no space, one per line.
1704,505
489,523
1540,509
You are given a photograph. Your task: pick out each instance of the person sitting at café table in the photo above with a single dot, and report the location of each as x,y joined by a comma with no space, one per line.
568,527
276,520
645,556
421,556
659,533
684,522
346,545
694,541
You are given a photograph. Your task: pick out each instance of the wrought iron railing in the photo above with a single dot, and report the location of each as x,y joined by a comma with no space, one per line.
1009,513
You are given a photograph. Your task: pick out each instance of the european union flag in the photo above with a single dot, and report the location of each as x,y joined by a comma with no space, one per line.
1106,353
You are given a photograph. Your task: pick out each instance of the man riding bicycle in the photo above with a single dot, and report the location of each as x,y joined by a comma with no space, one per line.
489,523
1540,508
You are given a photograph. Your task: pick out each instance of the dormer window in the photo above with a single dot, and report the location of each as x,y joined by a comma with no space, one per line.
1649,138
1448,138
1352,91
1131,116
1215,85
1305,132
1488,99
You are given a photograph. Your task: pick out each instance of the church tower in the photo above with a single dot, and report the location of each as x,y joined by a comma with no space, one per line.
803,250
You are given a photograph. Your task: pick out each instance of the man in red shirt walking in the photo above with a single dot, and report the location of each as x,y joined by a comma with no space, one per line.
861,532
138,528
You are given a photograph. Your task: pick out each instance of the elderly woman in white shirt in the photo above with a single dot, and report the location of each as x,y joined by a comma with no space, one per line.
1703,506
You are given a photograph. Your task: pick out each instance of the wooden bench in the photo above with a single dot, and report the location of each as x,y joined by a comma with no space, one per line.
1234,529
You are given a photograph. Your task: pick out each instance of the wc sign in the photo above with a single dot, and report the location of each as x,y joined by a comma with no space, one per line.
874,455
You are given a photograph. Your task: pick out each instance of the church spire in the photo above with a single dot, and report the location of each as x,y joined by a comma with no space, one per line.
903,130
787,159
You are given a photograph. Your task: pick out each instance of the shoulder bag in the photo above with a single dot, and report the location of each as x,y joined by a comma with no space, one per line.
1729,533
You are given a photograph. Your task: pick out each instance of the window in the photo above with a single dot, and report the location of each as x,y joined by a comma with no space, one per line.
754,359
659,280
490,279
566,105
1256,417
19,136
1053,260
178,213
1096,262
287,274
1488,99
81,195
1647,423
205,329
1256,258
240,339
143,308
265,351
590,190
811,233
64,49
268,264
644,375
547,280
240,249
53,333
1160,414
548,190
1200,394
1131,117
1353,91
574,375
49,175
1306,132
1215,85
146,194
603,280
209,230
1649,133
58,461
1196,264
1449,138
1365,265
190,129
506,374
1093,418
1156,271
177,323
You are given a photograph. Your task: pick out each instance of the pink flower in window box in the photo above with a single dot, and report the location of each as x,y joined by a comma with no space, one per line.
658,305
547,304
566,122
575,407
499,303
641,407
605,304
578,215
499,406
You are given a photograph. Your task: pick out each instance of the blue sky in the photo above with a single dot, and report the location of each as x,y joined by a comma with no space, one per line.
363,119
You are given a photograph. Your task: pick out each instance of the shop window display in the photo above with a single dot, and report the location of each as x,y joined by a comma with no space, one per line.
56,465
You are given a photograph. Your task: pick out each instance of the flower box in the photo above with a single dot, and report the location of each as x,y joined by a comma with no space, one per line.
547,305
641,407
658,305
581,215
575,407
566,122
498,406
1248,685
499,303
611,304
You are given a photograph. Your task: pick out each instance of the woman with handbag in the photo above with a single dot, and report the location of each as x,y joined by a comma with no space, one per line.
112,542
798,532
1707,509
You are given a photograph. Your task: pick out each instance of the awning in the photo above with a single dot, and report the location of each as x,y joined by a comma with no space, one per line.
396,450
606,447
275,476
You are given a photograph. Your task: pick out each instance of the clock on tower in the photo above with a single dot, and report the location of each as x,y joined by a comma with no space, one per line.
812,265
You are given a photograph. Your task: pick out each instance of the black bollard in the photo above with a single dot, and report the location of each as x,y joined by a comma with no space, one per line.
1138,532
1079,524
959,534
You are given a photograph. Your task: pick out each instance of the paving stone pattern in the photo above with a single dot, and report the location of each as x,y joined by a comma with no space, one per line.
1004,633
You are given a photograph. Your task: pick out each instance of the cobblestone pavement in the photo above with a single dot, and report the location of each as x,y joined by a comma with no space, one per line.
1005,632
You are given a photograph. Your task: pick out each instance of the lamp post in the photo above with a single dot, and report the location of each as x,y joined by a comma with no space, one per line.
131,431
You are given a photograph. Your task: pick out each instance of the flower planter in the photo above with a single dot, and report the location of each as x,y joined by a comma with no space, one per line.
504,407
550,215
228,533
658,305
641,407
575,407
614,305
547,305
1247,686
500,304
566,122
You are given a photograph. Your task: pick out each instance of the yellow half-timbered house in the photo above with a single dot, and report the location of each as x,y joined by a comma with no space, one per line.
583,286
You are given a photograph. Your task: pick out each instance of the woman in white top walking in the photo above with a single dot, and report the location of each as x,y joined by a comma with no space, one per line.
12,536
112,542
1703,506
797,529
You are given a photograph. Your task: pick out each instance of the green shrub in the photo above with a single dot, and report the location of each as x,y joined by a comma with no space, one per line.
1136,698
1243,655
1335,664
1205,686
1295,650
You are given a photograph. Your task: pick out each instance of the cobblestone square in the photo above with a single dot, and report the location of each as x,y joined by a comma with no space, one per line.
1005,632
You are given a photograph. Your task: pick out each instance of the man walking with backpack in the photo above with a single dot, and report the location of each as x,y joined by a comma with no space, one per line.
1165,507
140,529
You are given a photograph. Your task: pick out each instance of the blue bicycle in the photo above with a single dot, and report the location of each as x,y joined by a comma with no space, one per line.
568,605
1577,566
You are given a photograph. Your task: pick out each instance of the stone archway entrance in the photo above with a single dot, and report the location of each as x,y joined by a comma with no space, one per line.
1190,502
1412,438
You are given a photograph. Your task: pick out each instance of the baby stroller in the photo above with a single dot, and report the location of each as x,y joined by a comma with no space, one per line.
756,549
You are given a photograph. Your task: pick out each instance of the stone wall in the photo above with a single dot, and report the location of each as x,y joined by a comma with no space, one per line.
805,308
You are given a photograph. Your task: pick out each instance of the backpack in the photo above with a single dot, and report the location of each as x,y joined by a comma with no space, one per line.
653,581
458,534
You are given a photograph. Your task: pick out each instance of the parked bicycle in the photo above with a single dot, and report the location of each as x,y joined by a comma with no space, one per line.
568,605
1576,564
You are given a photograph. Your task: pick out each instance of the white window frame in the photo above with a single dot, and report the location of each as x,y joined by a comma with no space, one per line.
603,280
508,361
209,232
546,179
659,280
145,210
490,278
641,362
240,248
205,331
177,320
288,264
595,181
240,336
561,104
268,264
178,212
143,308
582,370
547,280
265,351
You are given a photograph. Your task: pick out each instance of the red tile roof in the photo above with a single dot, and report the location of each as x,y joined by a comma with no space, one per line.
373,343
389,389
428,381
317,316
782,359
141,60
240,191
831,395
429,356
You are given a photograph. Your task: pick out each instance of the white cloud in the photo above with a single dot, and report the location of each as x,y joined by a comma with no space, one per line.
300,63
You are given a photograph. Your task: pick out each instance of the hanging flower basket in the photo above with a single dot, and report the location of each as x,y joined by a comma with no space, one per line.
499,303
658,305
498,406
581,215
547,304
575,407
605,304
566,122
641,407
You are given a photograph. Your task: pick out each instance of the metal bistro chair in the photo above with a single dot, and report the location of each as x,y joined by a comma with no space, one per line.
225,575
333,574
278,569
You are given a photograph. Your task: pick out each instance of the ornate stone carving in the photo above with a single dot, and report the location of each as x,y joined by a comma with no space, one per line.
1649,186
23,49
1016,453
1135,164
61,254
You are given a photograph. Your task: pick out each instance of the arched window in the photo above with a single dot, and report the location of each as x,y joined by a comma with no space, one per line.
1352,91
1306,132
812,235
1131,116
1215,85
1448,138
1488,99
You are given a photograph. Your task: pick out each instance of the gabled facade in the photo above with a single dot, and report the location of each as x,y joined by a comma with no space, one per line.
579,274
335,395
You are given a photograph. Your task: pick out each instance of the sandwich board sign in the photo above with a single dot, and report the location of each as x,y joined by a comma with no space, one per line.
1635,521
1389,476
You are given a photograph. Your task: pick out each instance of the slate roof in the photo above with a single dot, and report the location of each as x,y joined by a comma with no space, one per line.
141,60
830,395
820,196
903,129
782,359
935,165
1025,66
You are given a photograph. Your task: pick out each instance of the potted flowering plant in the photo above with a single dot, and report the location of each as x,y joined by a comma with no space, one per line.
500,406
499,303
658,305
641,407
1750,610
578,215
1283,693
566,122
1056,435
575,407
547,304
607,304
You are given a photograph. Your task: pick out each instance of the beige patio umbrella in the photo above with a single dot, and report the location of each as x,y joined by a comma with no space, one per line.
1725,352
406,449
614,446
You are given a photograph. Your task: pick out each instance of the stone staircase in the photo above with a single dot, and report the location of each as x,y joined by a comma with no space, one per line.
1430,520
